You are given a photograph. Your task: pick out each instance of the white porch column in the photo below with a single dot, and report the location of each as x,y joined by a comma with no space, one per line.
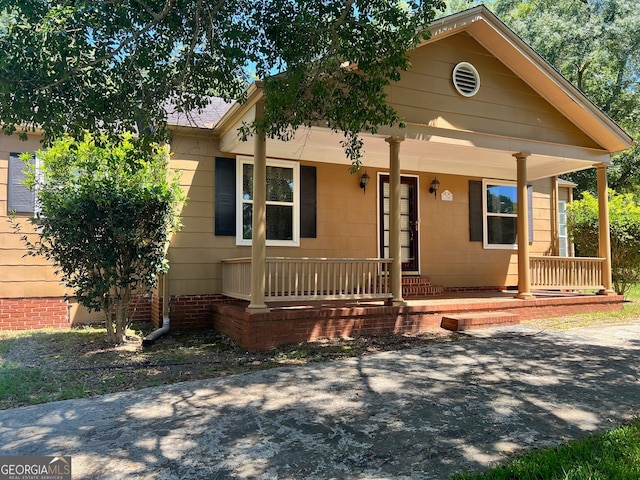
524,277
604,235
259,220
395,250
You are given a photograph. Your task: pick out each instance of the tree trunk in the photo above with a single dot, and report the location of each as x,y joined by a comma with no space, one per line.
123,302
108,320
115,314
121,320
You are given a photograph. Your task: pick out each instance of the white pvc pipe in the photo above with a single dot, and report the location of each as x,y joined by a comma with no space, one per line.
166,321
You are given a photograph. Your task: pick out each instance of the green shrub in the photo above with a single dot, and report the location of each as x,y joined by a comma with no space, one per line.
624,217
106,211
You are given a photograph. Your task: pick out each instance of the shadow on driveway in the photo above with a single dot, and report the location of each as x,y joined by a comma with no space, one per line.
421,413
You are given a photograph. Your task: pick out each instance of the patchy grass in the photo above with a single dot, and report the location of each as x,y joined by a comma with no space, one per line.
629,312
611,455
41,366
634,293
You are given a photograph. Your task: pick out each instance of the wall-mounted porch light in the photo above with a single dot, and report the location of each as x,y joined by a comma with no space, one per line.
364,181
435,185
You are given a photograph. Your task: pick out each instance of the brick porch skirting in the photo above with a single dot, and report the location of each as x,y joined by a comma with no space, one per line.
187,312
281,326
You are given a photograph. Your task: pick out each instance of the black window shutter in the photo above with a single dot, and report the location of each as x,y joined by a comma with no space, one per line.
225,196
308,202
475,211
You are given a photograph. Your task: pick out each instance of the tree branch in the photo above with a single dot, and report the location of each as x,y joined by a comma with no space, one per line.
157,18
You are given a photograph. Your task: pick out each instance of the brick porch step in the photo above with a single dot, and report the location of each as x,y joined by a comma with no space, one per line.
419,287
471,321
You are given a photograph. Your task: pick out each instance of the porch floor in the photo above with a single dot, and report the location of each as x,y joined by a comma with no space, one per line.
445,298
294,322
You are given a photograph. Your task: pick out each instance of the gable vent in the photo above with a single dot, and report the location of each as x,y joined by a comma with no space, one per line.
466,79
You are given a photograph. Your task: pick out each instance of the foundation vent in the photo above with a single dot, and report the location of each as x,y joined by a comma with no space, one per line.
466,79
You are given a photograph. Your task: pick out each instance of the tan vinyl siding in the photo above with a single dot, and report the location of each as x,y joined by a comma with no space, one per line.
347,226
195,251
20,276
504,105
448,256
564,193
541,217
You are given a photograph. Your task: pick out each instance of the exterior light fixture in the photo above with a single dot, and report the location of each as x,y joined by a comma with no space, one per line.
364,181
435,185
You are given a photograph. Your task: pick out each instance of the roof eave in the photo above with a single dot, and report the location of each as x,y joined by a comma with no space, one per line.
231,117
532,68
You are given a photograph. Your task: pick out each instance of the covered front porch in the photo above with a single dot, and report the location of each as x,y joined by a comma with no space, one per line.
314,299
262,279
290,299
495,154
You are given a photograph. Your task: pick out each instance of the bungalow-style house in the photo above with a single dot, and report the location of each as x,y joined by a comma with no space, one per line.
458,214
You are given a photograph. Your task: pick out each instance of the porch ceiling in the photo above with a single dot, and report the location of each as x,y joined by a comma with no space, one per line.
434,150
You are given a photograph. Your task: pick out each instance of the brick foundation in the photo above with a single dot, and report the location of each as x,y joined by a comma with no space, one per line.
141,308
285,326
44,312
187,312
33,313
281,326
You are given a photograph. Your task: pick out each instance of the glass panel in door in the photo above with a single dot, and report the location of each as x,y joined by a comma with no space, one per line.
408,221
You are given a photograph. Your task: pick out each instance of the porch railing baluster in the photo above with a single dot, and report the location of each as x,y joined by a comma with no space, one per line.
348,278
577,273
310,278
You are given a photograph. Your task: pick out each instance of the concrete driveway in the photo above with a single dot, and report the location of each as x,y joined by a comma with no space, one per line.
421,414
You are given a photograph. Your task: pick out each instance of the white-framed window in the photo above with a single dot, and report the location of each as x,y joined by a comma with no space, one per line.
500,214
563,236
20,199
283,202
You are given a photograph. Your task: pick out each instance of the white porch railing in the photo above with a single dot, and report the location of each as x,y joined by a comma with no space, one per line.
566,272
310,278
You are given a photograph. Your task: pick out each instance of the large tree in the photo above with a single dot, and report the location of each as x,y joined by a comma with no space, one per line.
596,45
115,65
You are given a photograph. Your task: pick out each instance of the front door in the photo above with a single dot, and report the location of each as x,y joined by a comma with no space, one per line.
408,222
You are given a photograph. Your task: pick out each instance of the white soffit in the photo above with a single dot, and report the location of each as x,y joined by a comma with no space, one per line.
467,156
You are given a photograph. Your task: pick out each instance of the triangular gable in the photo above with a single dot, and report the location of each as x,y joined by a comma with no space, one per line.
500,104
490,32
561,131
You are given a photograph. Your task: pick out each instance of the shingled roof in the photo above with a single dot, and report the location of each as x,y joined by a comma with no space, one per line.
208,117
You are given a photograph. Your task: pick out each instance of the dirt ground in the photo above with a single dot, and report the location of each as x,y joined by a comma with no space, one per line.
83,364
80,363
